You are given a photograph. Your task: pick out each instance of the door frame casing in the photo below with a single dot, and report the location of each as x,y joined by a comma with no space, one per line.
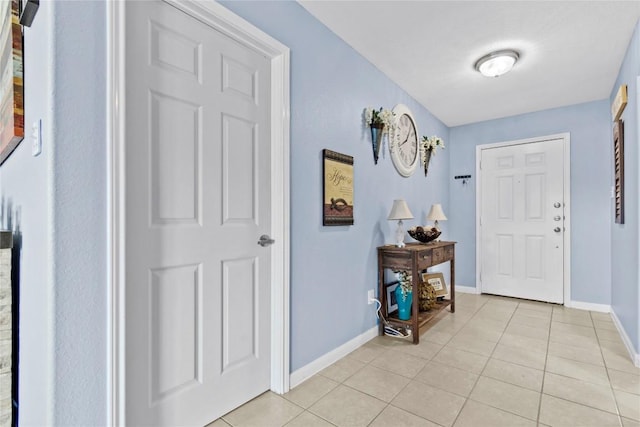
565,139
233,26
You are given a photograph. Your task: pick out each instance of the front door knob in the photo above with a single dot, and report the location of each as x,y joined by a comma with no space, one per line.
557,205
557,229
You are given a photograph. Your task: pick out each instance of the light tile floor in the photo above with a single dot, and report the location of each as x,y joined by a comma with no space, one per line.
495,362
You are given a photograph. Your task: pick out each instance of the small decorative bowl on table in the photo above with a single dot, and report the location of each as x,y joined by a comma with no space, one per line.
424,234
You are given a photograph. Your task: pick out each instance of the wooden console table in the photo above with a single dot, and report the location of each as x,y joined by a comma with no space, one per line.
415,258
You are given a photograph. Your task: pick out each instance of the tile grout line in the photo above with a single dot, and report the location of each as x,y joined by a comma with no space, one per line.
504,382
544,368
582,380
435,355
473,319
581,404
606,369
466,399
369,363
485,365
387,404
342,382
433,359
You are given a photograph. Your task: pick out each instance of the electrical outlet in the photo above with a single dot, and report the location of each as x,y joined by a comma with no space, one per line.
370,296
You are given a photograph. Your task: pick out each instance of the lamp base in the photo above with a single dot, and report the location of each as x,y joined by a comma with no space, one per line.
400,235
435,225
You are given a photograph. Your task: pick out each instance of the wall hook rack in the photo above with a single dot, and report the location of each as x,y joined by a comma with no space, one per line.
464,178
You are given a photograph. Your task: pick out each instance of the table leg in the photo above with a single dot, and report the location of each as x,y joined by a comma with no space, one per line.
415,306
382,295
452,265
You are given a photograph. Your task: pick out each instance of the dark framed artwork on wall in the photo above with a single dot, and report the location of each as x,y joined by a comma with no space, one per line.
11,79
29,10
618,158
337,171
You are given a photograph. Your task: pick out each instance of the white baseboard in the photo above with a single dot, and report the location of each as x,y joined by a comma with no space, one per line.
309,370
635,357
467,290
601,308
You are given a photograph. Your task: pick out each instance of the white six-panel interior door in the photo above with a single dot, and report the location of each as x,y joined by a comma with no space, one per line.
523,220
200,176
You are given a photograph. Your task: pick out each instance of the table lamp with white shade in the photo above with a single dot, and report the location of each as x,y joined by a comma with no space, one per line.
436,214
400,211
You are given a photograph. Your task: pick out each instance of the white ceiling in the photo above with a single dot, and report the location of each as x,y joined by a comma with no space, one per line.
570,51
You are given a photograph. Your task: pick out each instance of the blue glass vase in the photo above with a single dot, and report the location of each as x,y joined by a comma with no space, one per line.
404,303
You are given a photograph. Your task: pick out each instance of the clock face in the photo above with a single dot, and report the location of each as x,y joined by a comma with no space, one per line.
404,151
407,140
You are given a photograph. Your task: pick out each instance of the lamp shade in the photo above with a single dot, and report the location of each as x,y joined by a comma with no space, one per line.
436,214
400,210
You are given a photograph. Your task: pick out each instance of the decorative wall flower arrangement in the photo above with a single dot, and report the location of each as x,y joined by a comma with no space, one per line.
429,146
381,118
381,122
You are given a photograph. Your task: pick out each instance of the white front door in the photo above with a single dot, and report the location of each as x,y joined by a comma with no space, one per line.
522,220
198,180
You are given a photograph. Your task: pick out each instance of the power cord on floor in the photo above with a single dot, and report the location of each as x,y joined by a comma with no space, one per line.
389,329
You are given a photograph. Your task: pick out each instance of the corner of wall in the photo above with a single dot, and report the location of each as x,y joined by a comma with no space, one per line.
79,206
625,238
26,187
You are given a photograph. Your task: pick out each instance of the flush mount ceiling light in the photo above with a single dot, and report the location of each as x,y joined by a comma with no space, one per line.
497,63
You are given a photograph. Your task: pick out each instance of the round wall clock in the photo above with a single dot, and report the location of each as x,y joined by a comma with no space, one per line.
404,146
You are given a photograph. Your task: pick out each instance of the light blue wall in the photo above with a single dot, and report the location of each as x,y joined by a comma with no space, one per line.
80,213
625,298
25,185
591,166
57,202
332,267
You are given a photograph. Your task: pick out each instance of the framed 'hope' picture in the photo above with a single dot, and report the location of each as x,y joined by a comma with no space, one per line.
337,170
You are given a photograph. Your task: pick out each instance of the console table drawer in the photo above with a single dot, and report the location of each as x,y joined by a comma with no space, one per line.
397,261
438,255
448,253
